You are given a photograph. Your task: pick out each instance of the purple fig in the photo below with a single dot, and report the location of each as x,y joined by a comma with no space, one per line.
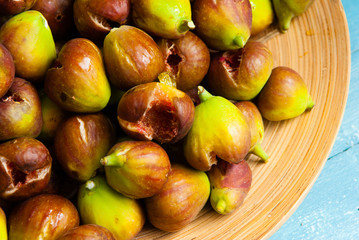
13,7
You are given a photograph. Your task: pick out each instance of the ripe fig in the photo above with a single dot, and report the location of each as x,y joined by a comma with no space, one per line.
88,232
137,169
13,7
219,130
284,96
155,111
46,216
95,18
186,60
3,226
128,62
240,74
162,18
25,168
180,200
223,25
7,70
256,126
77,80
230,184
28,38
80,143
20,111
99,204
59,16
262,15
286,10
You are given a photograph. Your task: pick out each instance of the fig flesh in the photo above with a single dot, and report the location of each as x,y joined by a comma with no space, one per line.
7,70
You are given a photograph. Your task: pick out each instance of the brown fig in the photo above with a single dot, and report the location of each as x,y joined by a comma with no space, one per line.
88,232
7,70
12,7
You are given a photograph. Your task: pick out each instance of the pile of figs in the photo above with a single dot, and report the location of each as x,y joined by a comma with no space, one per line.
118,112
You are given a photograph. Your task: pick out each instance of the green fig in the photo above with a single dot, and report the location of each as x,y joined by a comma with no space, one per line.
45,216
286,10
181,199
7,70
284,96
230,184
256,126
163,18
80,143
262,15
223,25
77,81
219,130
99,204
137,169
3,227
88,232
29,39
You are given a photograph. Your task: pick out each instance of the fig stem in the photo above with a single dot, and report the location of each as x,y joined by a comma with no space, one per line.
239,41
203,94
90,185
186,25
258,151
115,159
221,206
310,103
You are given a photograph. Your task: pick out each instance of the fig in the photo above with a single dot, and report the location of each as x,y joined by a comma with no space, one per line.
25,168
13,7
137,169
88,232
230,184
219,130
95,18
80,143
77,80
28,38
162,18
286,10
99,204
180,200
7,70
59,16
223,25
284,96
20,111
186,60
256,126
155,111
240,74
262,15
45,216
128,62
3,227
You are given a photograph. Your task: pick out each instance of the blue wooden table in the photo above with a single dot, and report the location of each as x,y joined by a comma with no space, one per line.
331,209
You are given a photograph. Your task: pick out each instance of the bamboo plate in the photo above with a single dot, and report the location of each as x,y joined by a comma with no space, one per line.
317,46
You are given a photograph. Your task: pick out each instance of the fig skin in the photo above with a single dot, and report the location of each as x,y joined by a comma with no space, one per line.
94,19
77,81
99,204
137,169
128,62
240,74
162,18
20,111
25,168
46,216
187,60
180,200
223,25
81,141
3,226
155,111
219,130
13,7
88,232
284,96
28,38
256,126
230,184
59,16
7,70
262,15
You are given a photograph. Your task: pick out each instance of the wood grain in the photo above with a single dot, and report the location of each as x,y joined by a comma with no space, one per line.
317,46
